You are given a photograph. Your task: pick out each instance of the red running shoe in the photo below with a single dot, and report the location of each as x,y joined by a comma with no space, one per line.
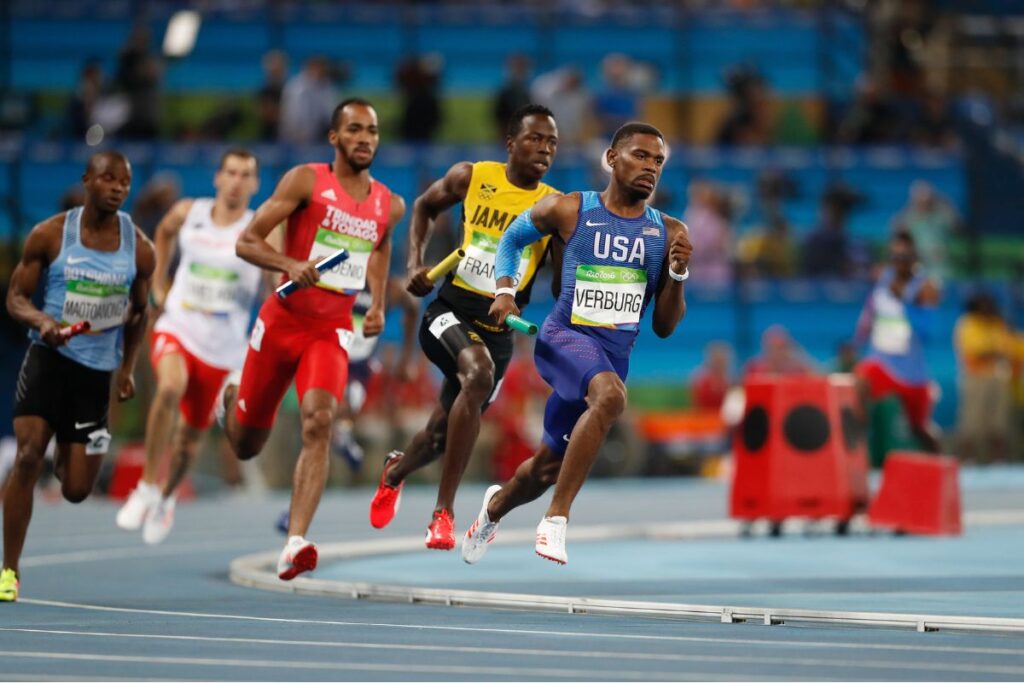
441,532
387,498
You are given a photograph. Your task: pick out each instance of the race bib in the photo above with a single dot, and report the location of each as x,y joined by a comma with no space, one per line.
349,274
891,335
210,289
476,270
608,296
103,305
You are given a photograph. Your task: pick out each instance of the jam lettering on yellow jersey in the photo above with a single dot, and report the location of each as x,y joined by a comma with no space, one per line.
486,218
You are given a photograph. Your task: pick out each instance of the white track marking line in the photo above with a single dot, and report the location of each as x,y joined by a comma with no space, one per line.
475,672
11,676
140,550
664,531
704,659
530,632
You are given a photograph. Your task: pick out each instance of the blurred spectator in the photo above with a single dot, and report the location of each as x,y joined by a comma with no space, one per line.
154,201
513,94
769,249
985,348
708,217
846,357
268,97
564,93
933,125
710,382
307,101
138,76
932,221
749,121
780,355
616,103
72,197
896,322
83,102
826,251
871,119
418,80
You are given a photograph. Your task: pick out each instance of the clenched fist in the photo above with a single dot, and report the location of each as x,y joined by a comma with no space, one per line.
679,251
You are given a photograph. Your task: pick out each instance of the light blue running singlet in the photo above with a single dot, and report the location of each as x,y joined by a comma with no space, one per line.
86,284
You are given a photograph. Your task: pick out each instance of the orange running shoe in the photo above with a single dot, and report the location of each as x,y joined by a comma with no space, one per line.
441,532
387,498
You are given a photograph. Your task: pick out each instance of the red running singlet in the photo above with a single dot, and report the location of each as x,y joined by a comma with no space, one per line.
332,219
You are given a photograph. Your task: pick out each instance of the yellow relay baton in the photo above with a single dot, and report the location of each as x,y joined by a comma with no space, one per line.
447,265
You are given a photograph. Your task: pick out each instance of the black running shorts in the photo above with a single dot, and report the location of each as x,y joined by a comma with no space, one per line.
73,399
444,333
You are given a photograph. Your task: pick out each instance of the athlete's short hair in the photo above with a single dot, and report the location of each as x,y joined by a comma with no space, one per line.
336,114
240,152
905,237
109,155
623,134
515,122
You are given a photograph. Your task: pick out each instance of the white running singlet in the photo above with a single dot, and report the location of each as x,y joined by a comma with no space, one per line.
210,303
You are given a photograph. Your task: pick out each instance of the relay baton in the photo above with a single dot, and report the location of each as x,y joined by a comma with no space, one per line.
78,328
446,266
327,263
520,325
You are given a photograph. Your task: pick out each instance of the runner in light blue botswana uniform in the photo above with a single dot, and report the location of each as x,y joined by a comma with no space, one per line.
95,266
619,254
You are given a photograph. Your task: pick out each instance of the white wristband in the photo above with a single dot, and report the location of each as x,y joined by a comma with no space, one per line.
511,291
676,276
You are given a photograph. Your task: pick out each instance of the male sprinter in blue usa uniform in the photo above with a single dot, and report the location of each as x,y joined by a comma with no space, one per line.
619,253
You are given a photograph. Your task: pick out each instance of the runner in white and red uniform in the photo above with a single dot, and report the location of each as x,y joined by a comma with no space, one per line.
200,335
306,337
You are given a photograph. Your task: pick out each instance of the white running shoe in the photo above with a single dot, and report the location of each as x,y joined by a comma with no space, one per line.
481,533
159,521
234,378
133,512
551,539
299,555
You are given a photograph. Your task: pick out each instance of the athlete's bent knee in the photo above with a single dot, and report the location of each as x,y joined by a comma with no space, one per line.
610,399
168,396
74,493
316,425
478,382
29,459
249,444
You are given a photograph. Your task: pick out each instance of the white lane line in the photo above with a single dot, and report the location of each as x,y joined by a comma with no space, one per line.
689,658
693,529
1019,652
12,676
138,550
475,672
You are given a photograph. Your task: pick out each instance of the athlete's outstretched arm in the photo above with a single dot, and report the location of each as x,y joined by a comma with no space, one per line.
670,299
442,195
377,271
41,247
293,190
166,242
552,215
138,310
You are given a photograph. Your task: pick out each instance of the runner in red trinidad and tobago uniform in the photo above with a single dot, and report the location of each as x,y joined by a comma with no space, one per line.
307,335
